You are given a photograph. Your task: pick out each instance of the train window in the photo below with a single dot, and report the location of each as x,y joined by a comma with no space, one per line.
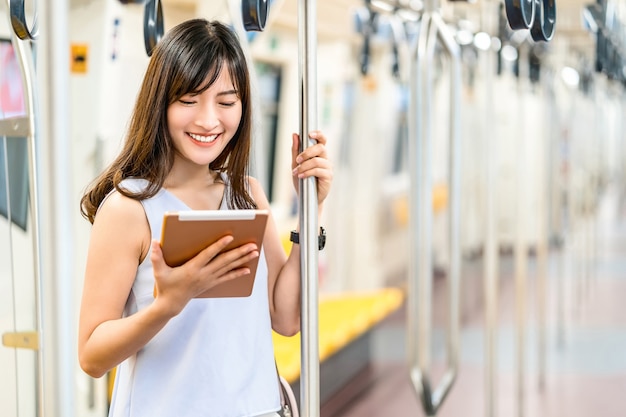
13,150
269,79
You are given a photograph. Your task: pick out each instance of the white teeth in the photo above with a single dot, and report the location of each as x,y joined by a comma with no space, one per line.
204,139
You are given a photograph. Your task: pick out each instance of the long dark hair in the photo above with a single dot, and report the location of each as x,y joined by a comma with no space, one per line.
182,61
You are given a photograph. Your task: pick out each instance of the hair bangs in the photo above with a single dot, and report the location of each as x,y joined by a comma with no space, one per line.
201,70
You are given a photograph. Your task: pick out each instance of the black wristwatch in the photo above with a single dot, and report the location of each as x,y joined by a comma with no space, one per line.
321,239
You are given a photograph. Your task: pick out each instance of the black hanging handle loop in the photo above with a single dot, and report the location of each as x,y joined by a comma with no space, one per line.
18,21
152,25
545,19
254,14
368,30
520,13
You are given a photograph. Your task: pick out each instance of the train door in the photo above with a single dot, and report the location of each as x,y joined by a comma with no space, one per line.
18,303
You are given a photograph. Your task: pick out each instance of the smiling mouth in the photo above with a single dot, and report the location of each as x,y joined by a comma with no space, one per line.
203,139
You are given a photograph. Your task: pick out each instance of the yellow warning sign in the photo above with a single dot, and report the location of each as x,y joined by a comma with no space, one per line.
78,55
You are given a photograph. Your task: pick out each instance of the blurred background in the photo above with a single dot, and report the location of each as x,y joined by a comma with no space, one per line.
476,249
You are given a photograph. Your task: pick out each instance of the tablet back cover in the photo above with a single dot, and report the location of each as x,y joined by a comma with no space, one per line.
185,234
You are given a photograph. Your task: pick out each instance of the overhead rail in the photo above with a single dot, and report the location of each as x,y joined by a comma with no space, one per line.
419,326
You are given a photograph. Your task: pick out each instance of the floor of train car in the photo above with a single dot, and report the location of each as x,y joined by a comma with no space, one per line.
585,357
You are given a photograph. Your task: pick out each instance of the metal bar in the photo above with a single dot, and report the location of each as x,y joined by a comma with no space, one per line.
421,271
415,223
24,55
420,370
57,219
308,210
454,273
543,228
491,246
521,264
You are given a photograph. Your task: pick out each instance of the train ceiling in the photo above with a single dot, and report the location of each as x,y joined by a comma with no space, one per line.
334,17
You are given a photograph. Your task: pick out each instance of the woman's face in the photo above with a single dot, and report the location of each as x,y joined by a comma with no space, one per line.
201,125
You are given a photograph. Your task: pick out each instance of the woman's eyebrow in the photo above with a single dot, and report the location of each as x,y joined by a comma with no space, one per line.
227,93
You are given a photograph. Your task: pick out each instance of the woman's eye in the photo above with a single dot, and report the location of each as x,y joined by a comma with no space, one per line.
228,104
186,102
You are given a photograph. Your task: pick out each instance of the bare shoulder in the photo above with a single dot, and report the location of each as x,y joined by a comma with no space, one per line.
122,221
118,207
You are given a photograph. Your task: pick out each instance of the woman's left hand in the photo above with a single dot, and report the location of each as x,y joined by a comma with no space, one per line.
312,162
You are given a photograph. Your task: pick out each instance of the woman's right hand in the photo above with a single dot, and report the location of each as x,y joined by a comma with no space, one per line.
177,285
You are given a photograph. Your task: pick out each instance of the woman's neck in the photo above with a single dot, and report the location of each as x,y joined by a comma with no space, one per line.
199,177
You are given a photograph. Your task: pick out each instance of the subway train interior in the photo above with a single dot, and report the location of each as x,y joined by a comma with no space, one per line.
476,228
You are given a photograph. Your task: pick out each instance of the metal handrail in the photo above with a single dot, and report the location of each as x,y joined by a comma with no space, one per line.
20,38
308,210
419,330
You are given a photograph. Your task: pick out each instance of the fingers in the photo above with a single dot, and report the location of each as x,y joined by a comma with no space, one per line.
315,150
156,256
295,144
211,267
313,160
232,261
212,251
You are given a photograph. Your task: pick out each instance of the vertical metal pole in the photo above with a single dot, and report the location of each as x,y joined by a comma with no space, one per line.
415,164
419,322
58,339
564,203
521,255
424,227
307,52
542,226
24,53
420,272
454,172
491,238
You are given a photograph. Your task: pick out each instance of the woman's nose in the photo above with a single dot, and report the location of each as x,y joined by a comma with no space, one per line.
207,116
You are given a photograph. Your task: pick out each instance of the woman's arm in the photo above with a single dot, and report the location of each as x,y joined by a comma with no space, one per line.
284,271
120,240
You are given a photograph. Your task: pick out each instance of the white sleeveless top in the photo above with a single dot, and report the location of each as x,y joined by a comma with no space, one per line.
214,359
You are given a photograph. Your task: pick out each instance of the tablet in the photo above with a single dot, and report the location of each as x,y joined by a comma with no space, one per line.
186,233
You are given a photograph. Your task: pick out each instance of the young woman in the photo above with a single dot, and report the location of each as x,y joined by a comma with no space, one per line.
188,147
